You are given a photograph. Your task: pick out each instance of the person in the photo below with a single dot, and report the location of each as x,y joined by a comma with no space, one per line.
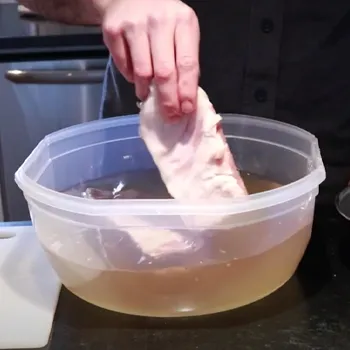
282,59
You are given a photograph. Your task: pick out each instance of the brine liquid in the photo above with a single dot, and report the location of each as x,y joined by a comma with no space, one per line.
184,291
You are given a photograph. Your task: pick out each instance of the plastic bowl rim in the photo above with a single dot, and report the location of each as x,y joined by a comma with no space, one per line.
92,207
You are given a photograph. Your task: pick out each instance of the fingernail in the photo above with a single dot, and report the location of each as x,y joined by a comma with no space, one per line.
186,107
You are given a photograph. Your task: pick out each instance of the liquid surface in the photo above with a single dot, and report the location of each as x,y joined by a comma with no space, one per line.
148,184
222,283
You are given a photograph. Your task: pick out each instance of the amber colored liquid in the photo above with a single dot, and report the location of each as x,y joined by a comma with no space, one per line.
197,290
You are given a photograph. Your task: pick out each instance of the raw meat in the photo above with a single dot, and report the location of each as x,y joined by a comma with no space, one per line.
195,163
191,152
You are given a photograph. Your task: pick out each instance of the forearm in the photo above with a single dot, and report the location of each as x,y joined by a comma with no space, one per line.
88,12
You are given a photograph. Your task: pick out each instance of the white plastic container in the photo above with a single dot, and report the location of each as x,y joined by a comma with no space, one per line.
254,251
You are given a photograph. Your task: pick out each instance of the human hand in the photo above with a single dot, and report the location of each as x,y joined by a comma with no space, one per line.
156,40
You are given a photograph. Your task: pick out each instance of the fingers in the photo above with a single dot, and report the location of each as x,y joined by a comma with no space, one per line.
164,68
140,53
119,50
162,45
187,61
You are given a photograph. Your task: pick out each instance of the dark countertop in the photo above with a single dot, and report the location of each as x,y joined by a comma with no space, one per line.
312,311
32,38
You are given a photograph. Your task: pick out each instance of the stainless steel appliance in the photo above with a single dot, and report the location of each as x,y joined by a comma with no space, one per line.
38,98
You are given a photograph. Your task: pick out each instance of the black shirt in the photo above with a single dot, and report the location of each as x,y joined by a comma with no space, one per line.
287,60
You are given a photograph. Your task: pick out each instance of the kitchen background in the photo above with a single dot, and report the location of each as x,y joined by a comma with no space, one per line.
51,77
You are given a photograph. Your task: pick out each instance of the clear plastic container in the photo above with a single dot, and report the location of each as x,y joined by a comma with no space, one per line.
248,255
